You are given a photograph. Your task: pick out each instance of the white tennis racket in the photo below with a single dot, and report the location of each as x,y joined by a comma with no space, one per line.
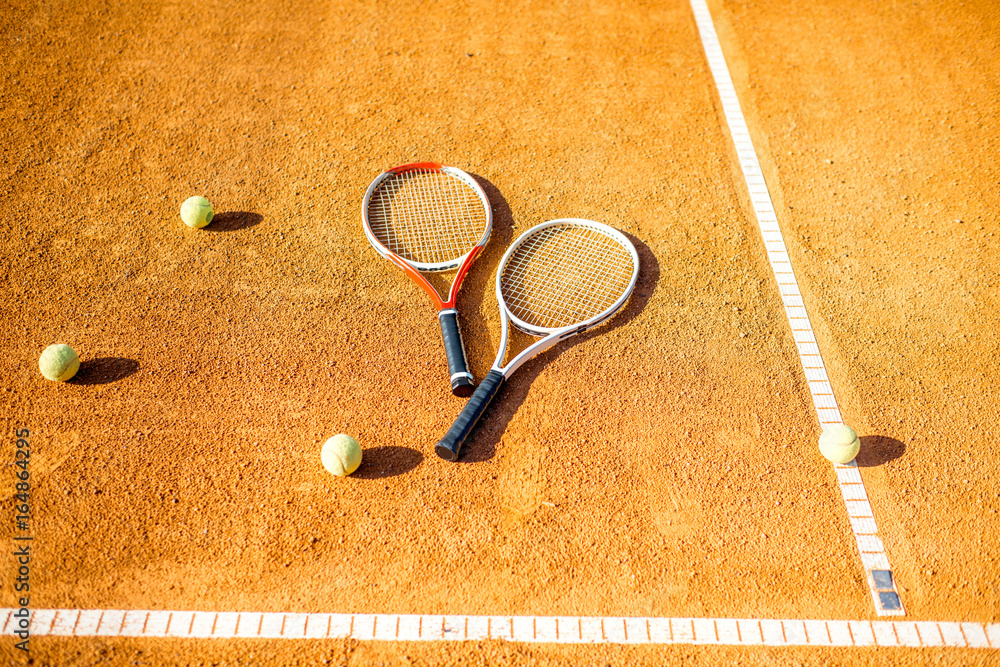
428,217
557,280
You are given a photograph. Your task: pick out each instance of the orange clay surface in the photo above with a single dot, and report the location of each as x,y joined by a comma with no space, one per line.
663,465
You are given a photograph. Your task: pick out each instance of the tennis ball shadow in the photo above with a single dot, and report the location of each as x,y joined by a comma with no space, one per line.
382,462
105,370
877,450
231,221
481,445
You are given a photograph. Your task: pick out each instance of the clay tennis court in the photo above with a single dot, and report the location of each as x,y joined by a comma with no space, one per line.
661,467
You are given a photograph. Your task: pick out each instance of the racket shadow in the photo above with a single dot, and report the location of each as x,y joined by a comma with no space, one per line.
478,287
482,445
500,238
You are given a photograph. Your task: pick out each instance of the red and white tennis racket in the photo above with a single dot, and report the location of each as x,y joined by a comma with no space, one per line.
428,217
557,280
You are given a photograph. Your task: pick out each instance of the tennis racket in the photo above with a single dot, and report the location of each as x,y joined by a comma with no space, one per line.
557,280
427,217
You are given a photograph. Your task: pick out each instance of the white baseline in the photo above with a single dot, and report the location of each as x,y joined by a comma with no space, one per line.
528,629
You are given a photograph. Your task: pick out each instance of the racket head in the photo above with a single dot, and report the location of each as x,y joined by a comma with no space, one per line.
568,274
427,215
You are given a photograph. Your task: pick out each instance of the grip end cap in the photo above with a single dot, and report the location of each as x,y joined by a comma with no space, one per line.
445,453
462,387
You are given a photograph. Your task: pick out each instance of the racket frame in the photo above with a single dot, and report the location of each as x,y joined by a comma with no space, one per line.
412,268
450,446
553,336
461,377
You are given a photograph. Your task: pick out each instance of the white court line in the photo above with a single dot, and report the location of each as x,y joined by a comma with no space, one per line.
528,629
881,582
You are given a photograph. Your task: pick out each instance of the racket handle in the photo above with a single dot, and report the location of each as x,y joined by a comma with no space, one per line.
458,367
450,445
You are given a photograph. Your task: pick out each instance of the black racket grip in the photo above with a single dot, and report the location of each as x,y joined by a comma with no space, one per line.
450,446
458,367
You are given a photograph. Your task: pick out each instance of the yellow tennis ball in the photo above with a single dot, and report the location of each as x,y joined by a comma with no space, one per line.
341,455
59,362
839,443
197,212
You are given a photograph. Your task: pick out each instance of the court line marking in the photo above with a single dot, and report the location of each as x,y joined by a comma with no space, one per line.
878,572
524,629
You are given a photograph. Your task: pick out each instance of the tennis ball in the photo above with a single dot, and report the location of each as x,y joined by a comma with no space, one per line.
197,212
839,443
59,362
341,455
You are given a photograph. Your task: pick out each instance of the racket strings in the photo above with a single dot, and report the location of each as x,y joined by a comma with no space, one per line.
564,275
404,203
426,216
